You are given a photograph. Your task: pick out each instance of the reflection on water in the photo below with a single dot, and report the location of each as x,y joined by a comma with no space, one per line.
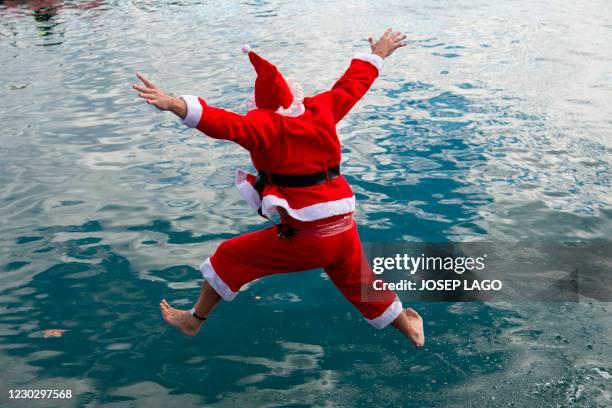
492,125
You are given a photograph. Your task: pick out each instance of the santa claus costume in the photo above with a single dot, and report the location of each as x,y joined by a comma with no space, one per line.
294,146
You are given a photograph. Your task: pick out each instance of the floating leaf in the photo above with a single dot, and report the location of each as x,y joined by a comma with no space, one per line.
53,333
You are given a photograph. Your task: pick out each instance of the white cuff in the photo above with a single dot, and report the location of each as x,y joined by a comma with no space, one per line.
194,111
214,280
388,315
373,59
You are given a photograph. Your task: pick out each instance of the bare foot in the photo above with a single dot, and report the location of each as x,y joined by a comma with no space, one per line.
181,319
416,334
410,324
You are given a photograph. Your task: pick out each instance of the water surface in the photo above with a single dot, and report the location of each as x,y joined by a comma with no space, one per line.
494,124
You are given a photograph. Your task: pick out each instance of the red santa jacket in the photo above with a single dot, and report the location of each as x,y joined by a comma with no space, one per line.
304,144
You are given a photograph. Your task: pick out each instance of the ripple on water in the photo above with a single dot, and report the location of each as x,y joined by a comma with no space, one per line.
492,125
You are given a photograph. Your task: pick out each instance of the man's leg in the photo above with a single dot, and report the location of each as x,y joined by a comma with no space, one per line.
354,278
183,319
240,260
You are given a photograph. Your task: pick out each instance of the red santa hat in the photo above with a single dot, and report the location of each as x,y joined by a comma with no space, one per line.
271,90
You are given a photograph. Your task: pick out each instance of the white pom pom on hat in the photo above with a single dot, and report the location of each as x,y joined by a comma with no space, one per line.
246,48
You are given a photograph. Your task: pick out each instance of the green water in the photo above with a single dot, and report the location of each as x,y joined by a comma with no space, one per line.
493,124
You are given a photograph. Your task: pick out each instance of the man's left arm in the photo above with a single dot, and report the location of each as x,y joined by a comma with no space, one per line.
360,75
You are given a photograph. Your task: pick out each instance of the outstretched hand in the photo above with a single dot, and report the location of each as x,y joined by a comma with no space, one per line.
387,43
152,94
158,98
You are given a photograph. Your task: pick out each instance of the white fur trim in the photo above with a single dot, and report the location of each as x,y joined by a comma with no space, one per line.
312,212
388,315
292,111
373,59
246,48
194,110
246,190
216,282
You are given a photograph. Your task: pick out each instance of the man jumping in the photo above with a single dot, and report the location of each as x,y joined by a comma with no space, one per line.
294,146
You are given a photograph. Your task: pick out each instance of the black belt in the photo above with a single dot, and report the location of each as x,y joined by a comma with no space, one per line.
292,180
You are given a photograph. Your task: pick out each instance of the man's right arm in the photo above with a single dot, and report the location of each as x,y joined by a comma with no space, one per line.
251,131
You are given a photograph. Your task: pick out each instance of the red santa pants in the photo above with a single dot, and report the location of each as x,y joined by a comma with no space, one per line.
316,244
